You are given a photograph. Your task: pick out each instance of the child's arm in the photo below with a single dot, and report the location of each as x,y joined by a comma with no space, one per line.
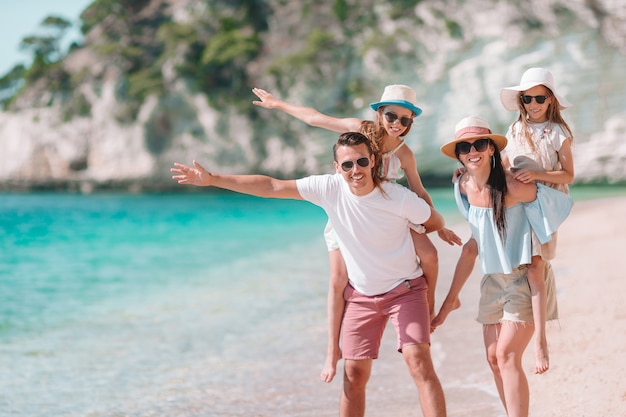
563,176
464,268
308,115
409,166
506,164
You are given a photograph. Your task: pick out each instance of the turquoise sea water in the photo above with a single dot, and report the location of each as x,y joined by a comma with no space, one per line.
62,253
166,304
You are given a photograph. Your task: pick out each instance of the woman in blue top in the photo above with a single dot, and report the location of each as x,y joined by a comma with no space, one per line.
502,213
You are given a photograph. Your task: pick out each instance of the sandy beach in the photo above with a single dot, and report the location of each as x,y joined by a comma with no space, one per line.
587,376
588,350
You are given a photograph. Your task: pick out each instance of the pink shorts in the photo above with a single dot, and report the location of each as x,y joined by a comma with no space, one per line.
365,318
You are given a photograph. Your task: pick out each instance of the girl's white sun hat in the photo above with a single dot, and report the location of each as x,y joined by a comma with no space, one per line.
509,96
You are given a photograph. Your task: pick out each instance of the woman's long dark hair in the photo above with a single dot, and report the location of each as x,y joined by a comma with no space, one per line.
497,189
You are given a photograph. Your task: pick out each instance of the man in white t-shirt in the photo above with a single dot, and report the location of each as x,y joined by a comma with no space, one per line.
371,221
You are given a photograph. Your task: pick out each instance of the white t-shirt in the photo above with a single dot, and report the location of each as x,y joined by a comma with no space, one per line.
372,230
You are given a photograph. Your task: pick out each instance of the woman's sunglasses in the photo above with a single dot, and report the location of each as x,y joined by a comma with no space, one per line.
538,99
463,148
362,162
392,117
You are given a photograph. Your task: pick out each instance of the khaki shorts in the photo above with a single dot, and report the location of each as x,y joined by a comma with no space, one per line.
507,297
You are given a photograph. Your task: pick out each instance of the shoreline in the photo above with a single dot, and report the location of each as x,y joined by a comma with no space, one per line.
254,344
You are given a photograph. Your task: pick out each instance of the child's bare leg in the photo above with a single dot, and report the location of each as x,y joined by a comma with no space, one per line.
536,280
335,308
429,261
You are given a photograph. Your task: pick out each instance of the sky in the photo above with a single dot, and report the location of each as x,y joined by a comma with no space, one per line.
21,18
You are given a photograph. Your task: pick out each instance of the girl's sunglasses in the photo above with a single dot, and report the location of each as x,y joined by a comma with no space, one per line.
463,148
362,162
538,99
392,117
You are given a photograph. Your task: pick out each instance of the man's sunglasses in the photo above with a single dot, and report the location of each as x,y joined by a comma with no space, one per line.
538,99
463,148
392,117
362,162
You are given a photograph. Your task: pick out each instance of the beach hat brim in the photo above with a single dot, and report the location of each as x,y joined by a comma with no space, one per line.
449,148
509,96
401,103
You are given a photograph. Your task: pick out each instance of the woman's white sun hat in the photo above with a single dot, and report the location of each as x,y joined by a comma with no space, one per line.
399,95
472,127
531,78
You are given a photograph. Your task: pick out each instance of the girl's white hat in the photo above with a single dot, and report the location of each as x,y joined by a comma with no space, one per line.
472,127
400,95
509,96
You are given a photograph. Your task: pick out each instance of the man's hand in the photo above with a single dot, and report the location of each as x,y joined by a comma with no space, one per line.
193,176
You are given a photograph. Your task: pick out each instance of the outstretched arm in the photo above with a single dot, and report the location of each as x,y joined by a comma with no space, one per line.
308,115
257,185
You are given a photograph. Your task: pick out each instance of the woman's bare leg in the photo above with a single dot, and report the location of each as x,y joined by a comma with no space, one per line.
511,343
490,337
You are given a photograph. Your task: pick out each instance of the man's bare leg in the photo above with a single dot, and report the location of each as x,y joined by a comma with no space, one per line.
355,377
420,364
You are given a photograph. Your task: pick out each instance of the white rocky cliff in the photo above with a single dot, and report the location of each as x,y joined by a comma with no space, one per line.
583,43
